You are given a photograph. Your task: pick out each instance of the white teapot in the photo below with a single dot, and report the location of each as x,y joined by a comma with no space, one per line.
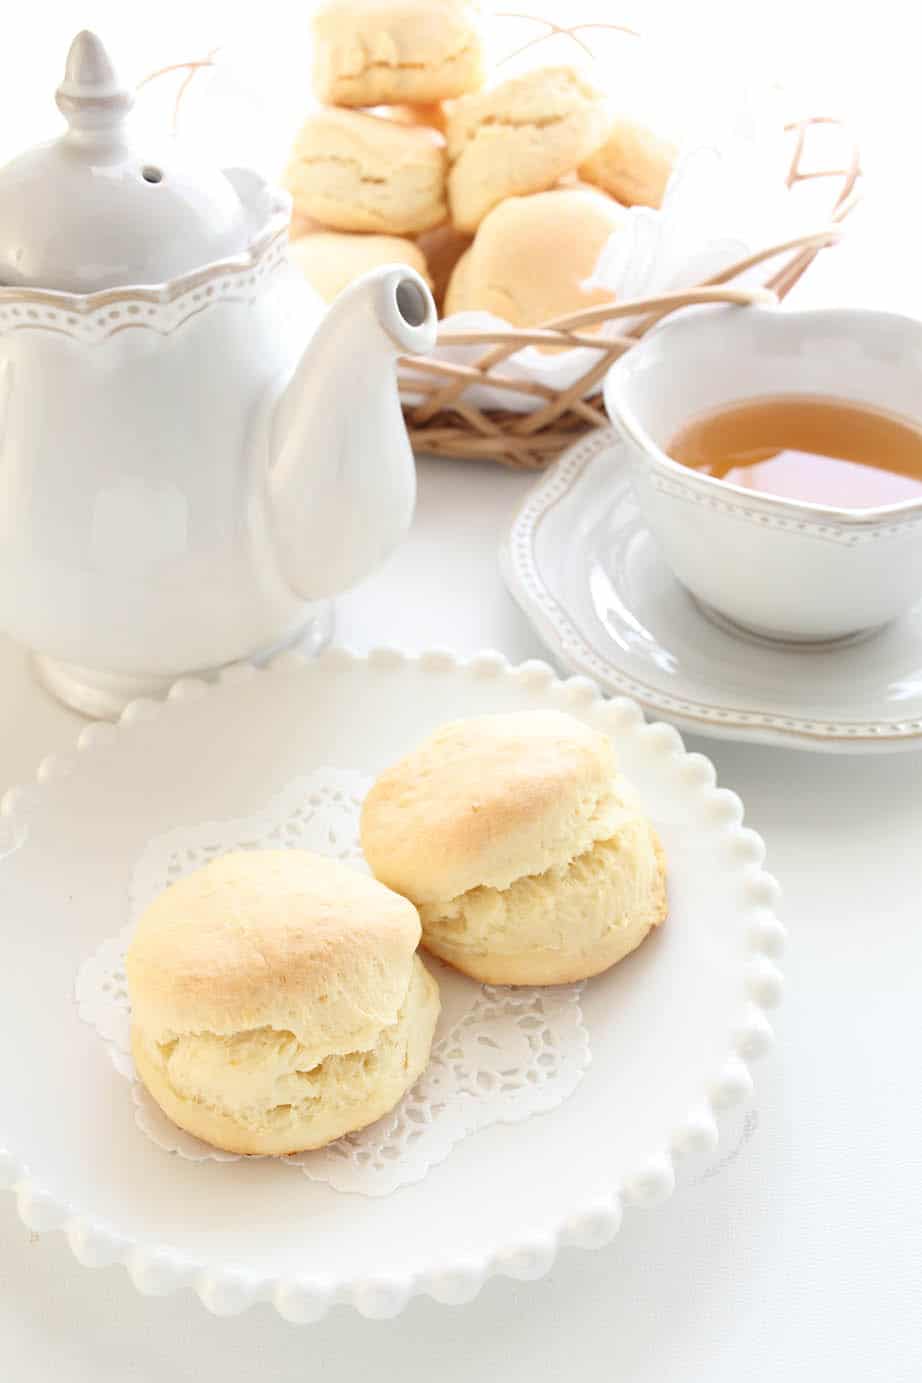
181,479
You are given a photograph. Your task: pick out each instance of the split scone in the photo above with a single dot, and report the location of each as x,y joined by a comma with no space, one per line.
526,853
519,137
278,1001
355,172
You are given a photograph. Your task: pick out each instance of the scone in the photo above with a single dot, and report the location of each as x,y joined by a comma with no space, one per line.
331,260
519,137
526,853
278,1001
633,165
532,255
387,52
355,172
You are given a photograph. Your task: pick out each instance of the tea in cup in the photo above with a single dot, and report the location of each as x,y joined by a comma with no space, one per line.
777,459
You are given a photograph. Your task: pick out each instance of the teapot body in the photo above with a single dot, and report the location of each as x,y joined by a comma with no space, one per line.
135,534
184,468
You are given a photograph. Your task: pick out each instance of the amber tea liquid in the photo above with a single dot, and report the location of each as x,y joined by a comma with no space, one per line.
803,448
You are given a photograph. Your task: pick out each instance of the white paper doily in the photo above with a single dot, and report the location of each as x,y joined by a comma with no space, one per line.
500,1055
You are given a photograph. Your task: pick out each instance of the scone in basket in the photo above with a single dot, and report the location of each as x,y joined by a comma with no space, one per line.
482,409
732,227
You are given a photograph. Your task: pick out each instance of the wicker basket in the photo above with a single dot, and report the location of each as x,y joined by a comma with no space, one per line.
441,415
445,422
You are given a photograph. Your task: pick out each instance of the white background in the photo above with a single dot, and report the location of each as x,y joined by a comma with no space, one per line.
802,1258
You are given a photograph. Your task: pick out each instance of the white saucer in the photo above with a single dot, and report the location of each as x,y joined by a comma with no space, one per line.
588,574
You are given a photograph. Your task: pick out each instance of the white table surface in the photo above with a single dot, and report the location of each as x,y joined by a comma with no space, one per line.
800,1260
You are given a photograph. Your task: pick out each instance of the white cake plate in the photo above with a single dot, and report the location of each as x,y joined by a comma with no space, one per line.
672,1028
588,574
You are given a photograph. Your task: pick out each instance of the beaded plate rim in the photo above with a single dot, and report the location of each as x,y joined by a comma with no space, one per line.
226,1288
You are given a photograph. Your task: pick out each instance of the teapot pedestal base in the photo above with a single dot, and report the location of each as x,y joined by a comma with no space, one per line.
104,695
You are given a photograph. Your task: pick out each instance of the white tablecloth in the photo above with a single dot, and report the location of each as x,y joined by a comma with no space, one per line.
800,1261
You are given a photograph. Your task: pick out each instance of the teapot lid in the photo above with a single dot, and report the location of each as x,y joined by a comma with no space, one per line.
93,209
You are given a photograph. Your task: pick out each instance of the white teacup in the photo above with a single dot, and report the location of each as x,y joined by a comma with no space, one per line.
781,568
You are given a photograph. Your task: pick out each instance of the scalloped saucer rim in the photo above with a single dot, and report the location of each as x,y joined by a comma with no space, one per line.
586,572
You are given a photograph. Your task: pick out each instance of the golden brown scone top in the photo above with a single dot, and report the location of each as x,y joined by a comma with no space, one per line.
488,800
283,938
386,52
532,255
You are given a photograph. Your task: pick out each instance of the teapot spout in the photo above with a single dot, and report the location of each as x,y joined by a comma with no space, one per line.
342,482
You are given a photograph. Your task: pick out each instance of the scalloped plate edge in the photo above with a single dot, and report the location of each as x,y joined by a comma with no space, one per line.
228,1291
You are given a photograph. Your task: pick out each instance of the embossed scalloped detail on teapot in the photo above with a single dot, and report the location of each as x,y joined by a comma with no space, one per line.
193,451
161,308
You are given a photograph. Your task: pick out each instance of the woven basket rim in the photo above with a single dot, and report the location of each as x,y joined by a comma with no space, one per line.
442,419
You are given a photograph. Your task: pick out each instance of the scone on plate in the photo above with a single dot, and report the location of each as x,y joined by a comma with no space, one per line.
633,164
331,260
387,52
355,172
278,1001
519,137
532,255
527,854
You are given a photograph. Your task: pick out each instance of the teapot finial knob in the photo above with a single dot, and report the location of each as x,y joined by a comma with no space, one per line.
91,97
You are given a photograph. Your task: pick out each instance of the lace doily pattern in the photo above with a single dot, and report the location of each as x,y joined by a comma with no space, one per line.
500,1055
